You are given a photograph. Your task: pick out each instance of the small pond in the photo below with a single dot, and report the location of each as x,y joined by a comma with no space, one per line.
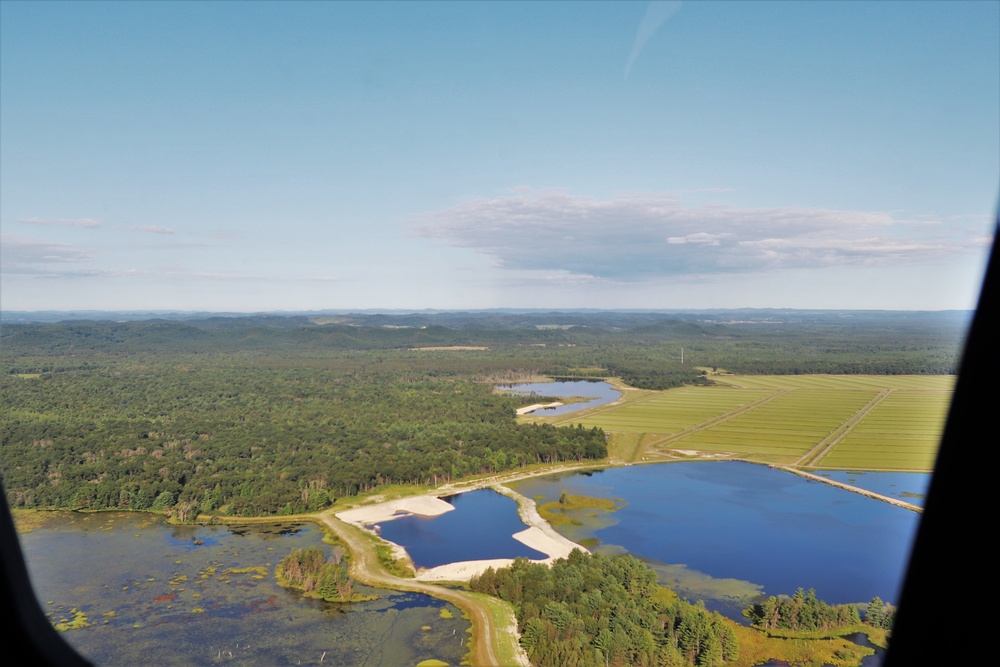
156,594
598,392
479,528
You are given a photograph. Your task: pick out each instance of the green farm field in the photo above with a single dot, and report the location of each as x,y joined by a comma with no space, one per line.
857,422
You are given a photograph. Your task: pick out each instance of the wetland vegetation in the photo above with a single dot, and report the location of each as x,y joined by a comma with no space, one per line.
560,512
127,588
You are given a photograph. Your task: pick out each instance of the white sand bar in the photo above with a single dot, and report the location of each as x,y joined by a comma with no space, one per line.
419,505
537,406
537,539
462,571
532,537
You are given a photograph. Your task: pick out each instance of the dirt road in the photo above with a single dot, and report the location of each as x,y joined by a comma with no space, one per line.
491,640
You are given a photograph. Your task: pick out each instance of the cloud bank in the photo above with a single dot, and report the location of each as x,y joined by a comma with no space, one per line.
17,252
656,236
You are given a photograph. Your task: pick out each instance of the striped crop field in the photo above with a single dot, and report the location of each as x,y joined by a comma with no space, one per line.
900,433
783,429
875,382
863,422
675,410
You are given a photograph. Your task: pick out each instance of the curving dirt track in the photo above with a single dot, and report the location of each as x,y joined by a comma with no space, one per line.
486,636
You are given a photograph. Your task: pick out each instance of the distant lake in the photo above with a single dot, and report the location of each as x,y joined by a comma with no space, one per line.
479,528
155,596
747,527
601,392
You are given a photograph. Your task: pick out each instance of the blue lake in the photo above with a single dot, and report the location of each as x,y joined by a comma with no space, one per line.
744,522
600,391
479,528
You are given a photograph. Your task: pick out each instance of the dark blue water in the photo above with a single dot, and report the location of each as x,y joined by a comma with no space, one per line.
908,486
747,522
600,390
479,528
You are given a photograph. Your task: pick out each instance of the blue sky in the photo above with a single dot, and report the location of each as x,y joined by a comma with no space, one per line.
297,156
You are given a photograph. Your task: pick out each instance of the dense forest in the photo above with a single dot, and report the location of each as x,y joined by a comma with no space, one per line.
251,441
281,414
595,611
650,345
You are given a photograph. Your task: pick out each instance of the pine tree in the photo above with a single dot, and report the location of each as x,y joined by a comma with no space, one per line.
876,612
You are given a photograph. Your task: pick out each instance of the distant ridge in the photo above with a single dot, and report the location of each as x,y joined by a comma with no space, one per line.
429,316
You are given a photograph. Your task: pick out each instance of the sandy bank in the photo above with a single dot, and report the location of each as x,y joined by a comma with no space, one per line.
532,537
462,571
419,505
543,536
537,406
539,540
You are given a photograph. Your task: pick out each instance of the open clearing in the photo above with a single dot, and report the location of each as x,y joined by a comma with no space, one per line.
857,422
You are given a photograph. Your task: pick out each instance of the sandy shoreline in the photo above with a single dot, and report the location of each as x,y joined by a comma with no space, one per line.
420,505
539,535
528,409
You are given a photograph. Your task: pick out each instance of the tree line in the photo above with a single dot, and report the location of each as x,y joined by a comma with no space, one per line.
803,611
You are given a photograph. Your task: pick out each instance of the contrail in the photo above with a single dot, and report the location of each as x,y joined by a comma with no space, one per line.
656,15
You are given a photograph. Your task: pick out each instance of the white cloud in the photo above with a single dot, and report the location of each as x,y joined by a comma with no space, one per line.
698,237
649,236
86,223
151,229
